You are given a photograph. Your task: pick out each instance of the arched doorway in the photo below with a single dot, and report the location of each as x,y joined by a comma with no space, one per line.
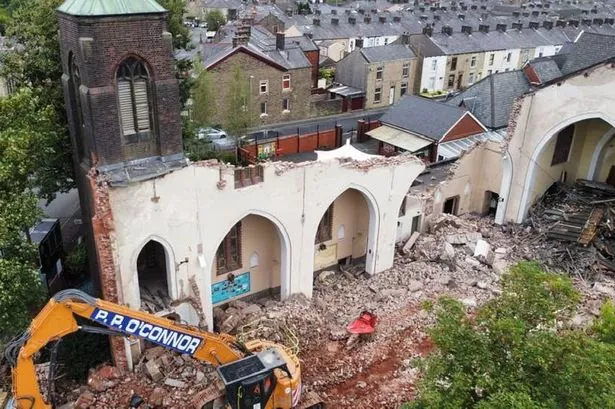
563,155
153,274
346,232
253,259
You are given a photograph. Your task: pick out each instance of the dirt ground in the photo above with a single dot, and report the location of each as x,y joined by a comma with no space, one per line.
377,372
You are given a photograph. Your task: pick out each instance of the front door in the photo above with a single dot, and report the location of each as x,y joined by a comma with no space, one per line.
459,80
392,96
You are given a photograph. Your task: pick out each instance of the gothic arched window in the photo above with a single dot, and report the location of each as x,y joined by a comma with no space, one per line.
134,104
75,82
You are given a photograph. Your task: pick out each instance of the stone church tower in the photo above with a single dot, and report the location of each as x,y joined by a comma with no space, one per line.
123,108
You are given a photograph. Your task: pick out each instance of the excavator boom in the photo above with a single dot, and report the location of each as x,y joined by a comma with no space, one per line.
276,367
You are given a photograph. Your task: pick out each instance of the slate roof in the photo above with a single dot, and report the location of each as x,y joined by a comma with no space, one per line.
546,69
263,44
589,49
422,116
109,7
221,4
386,53
491,99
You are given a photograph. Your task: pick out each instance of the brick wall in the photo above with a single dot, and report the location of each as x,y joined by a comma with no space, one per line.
299,95
325,106
99,45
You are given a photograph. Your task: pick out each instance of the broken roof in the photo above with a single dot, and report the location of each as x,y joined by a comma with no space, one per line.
386,53
423,116
491,99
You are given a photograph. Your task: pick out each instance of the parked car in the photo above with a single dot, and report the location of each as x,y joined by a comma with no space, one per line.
212,134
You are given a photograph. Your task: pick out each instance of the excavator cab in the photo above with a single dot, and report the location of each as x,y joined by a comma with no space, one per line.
250,381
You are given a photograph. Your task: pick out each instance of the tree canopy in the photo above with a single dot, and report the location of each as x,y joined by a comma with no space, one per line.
239,116
515,352
215,19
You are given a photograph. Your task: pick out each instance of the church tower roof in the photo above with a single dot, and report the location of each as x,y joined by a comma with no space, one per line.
98,8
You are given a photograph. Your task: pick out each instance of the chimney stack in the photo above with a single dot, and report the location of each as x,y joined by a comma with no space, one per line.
609,21
396,19
547,24
358,43
501,28
516,14
535,13
448,30
334,12
598,21
436,17
316,21
574,23
335,21
461,16
483,28
405,39
382,19
428,31
560,23
534,25
367,19
279,41
466,29
517,25
352,20
473,7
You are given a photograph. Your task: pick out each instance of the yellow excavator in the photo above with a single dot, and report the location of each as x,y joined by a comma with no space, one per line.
256,375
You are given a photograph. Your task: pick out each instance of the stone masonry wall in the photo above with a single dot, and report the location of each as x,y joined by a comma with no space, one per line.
299,94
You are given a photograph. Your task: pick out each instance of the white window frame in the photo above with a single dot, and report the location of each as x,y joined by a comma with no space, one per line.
286,105
286,77
379,70
434,64
473,61
263,83
378,91
405,70
491,59
264,103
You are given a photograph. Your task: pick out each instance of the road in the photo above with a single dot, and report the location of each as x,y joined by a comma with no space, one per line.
348,121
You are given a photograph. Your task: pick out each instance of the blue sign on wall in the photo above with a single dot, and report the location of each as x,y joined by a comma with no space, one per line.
225,290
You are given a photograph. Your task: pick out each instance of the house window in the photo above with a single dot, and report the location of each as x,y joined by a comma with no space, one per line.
386,41
325,226
248,176
508,56
451,80
471,78
563,145
403,89
453,63
378,95
489,72
473,61
228,256
434,64
132,84
379,71
286,104
405,70
286,81
263,108
491,58
264,87
432,83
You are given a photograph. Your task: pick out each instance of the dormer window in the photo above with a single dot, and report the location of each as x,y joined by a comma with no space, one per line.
133,99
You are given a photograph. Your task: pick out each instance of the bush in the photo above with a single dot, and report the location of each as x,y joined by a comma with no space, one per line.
513,353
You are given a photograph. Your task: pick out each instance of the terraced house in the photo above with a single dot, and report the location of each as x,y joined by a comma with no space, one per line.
452,61
384,74
279,73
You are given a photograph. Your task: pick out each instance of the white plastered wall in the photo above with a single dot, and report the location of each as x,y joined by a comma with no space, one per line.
192,210
541,115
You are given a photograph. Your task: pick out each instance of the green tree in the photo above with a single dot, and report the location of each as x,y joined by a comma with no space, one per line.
513,353
215,19
203,96
238,115
181,34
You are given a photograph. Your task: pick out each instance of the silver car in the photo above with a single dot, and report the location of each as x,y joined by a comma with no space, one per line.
212,134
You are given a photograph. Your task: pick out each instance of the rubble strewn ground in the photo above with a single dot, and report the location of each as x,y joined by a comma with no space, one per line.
463,258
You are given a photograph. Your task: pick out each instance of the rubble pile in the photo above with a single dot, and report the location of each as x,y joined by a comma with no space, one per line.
161,379
460,257
579,222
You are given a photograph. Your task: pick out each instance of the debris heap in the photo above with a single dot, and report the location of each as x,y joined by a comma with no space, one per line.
579,220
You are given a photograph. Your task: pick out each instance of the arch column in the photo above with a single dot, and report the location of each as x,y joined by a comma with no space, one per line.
595,162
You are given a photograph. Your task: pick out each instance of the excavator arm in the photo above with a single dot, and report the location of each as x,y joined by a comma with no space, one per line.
58,319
